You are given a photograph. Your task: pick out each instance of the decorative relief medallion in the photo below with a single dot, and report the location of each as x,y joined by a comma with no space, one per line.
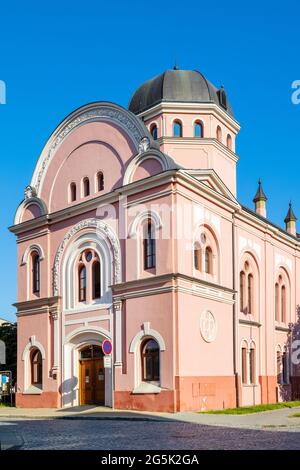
208,326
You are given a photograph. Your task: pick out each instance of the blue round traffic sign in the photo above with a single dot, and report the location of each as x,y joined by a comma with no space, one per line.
106,347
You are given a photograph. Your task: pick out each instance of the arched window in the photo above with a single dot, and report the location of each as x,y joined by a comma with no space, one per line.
149,246
35,273
150,361
248,364
82,283
277,306
36,368
252,366
248,276
86,187
154,131
177,129
205,254
229,142
96,280
89,285
198,129
283,304
282,295
197,257
219,134
250,293
100,181
72,192
242,290
208,260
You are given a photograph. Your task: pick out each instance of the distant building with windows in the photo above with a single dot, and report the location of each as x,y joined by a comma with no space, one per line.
131,231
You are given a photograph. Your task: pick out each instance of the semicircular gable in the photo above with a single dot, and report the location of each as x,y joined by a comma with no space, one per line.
31,212
147,163
30,208
101,125
146,168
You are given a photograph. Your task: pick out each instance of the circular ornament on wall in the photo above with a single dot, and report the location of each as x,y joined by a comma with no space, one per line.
208,326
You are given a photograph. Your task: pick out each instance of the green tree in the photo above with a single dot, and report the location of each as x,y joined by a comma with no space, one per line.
8,334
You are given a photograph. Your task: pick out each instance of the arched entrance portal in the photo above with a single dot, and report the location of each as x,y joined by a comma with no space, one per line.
83,368
91,376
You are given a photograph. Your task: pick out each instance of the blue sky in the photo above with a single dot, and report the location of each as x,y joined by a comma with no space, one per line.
56,56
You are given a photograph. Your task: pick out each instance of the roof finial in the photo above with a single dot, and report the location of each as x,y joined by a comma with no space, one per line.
260,195
290,217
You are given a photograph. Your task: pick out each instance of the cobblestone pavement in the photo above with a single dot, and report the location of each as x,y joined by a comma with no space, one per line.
145,435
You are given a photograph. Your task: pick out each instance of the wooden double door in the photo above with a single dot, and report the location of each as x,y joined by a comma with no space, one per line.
92,381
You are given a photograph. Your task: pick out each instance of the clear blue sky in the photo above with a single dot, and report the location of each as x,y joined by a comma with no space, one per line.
56,56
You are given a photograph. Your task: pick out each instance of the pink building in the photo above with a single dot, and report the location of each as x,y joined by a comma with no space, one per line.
131,231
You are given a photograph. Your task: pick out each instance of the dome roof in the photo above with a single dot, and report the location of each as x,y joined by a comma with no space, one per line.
188,86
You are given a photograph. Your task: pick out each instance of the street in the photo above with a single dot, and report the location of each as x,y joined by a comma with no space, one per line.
102,434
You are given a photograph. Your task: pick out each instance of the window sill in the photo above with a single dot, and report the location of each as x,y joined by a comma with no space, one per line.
146,388
32,390
281,327
87,308
249,321
249,385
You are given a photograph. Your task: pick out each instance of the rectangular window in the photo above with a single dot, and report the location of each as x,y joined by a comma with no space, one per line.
36,274
244,365
242,291
285,377
250,293
82,284
278,358
149,248
96,281
197,258
252,366
277,302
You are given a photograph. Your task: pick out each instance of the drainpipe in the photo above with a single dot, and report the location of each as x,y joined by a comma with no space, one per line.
235,315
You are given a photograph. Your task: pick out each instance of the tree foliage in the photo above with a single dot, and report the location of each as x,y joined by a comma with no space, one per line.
8,334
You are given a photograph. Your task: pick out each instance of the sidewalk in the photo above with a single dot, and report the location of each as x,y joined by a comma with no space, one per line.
268,420
79,412
264,420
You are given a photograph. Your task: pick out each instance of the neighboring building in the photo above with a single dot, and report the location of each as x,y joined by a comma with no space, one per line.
197,293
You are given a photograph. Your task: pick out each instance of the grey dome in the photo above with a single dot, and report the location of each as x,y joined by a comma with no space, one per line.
188,86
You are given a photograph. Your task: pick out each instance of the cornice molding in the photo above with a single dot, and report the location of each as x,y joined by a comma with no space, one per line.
200,141
163,278
246,215
36,306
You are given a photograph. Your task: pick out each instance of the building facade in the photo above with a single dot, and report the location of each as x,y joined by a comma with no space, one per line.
131,231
